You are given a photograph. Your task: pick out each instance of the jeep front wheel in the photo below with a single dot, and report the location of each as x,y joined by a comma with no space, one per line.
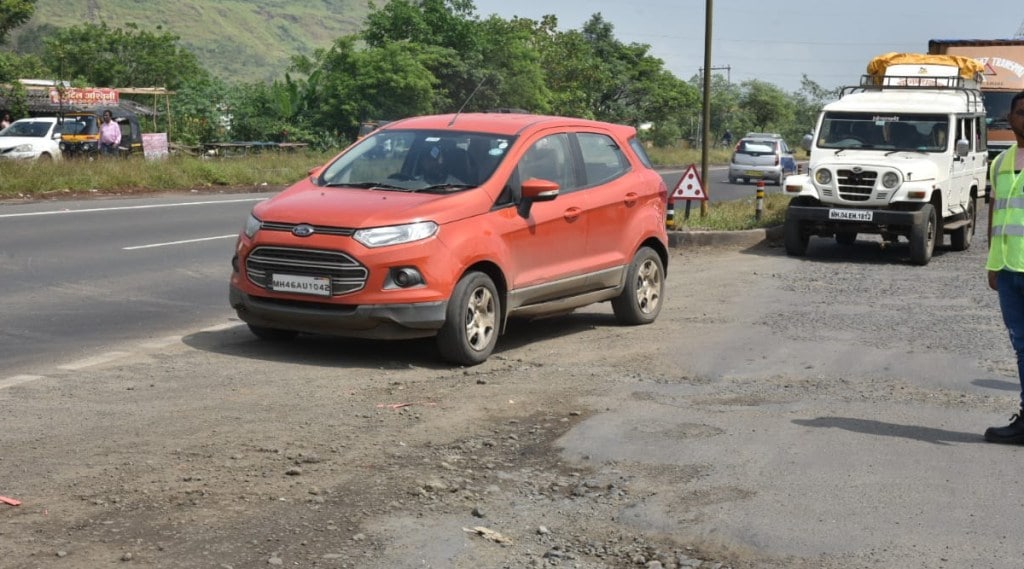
922,236
470,329
795,239
640,300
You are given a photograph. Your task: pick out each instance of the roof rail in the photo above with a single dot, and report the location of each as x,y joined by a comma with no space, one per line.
969,89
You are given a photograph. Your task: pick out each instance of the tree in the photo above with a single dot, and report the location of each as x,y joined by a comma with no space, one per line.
767,106
807,103
100,56
14,13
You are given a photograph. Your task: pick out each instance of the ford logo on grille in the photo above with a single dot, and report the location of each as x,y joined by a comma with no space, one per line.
303,230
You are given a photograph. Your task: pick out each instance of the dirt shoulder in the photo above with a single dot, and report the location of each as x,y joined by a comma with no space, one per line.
770,418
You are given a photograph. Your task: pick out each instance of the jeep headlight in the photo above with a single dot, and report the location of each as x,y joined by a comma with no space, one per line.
252,225
22,148
890,180
823,176
395,234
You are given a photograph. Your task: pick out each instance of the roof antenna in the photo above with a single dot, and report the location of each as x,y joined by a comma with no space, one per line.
468,99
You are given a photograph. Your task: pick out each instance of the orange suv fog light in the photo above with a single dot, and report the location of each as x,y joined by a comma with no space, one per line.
404,277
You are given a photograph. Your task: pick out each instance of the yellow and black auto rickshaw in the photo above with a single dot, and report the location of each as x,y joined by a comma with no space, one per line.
80,132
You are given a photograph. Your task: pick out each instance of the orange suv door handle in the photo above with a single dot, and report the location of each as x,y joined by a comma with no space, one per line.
631,199
572,214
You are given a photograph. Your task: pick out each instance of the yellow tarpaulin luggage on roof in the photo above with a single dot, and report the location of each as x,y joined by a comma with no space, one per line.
970,69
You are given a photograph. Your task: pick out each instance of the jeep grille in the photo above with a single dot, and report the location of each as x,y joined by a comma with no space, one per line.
854,186
346,274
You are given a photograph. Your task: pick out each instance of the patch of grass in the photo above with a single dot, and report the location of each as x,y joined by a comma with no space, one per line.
733,215
136,174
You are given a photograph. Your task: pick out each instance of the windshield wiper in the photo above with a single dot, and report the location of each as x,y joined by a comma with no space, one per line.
891,152
445,187
367,185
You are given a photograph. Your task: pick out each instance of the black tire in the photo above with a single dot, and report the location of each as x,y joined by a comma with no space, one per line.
470,329
960,239
641,299
846,237
733,180
923,236
795,239
272,334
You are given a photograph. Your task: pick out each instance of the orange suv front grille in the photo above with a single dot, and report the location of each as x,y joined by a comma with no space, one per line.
347,275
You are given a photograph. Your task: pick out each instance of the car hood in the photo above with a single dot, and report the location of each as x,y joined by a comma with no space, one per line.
12,141
359,208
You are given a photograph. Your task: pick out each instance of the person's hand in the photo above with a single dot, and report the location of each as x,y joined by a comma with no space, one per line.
992,280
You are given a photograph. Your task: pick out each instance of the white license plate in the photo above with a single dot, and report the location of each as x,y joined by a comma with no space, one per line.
319,286
850,214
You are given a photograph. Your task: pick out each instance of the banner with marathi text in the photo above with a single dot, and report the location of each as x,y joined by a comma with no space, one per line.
86,96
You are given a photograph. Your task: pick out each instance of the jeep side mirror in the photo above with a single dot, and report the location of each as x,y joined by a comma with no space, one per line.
963,146
805,142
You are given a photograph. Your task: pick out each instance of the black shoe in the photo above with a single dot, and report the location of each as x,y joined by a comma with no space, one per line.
1011,434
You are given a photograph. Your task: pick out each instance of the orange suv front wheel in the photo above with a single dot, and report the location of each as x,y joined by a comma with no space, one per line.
470,329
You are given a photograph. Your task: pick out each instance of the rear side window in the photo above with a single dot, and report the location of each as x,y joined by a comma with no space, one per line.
603,160
638,148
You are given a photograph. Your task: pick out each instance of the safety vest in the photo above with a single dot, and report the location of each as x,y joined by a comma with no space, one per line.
1006,248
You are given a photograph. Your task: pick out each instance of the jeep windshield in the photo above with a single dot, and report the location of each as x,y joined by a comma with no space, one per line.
889,132
418,161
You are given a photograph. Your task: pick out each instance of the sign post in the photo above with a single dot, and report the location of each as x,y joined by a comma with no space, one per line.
689,188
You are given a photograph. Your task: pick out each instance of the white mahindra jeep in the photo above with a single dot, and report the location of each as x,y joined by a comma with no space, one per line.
901,154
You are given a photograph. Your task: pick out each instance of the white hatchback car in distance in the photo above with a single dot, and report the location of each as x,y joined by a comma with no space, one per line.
36,138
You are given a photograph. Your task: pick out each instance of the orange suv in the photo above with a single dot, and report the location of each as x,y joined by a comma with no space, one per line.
448,226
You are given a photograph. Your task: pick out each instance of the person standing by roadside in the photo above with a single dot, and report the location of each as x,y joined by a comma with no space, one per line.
1006,255
110,135
5,121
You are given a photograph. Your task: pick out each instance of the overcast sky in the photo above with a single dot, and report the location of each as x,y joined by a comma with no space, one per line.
779,40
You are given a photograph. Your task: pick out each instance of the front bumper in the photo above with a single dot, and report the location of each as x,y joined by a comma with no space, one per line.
379,322
882,220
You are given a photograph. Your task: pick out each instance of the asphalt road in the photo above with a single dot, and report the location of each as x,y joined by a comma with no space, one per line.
821,412
79,275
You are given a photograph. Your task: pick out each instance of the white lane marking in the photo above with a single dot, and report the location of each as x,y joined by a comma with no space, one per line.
94,361
121,208
17,380
182,242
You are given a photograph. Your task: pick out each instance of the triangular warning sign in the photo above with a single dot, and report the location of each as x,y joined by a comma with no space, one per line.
989,70
690,186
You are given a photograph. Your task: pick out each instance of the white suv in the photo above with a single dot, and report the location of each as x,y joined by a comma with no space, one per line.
35,138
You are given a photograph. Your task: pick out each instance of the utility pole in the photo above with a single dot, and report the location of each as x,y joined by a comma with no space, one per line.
706,125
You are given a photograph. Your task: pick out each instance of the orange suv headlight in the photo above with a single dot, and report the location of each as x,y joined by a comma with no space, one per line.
395,234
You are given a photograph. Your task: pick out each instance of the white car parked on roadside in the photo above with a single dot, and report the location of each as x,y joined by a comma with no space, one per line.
36,138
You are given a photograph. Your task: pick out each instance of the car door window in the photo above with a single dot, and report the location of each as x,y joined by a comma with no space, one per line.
549,159
603,160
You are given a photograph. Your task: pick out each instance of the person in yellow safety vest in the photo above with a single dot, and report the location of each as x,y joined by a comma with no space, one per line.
1006,255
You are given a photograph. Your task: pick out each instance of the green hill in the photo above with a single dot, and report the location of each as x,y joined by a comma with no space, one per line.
237,40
